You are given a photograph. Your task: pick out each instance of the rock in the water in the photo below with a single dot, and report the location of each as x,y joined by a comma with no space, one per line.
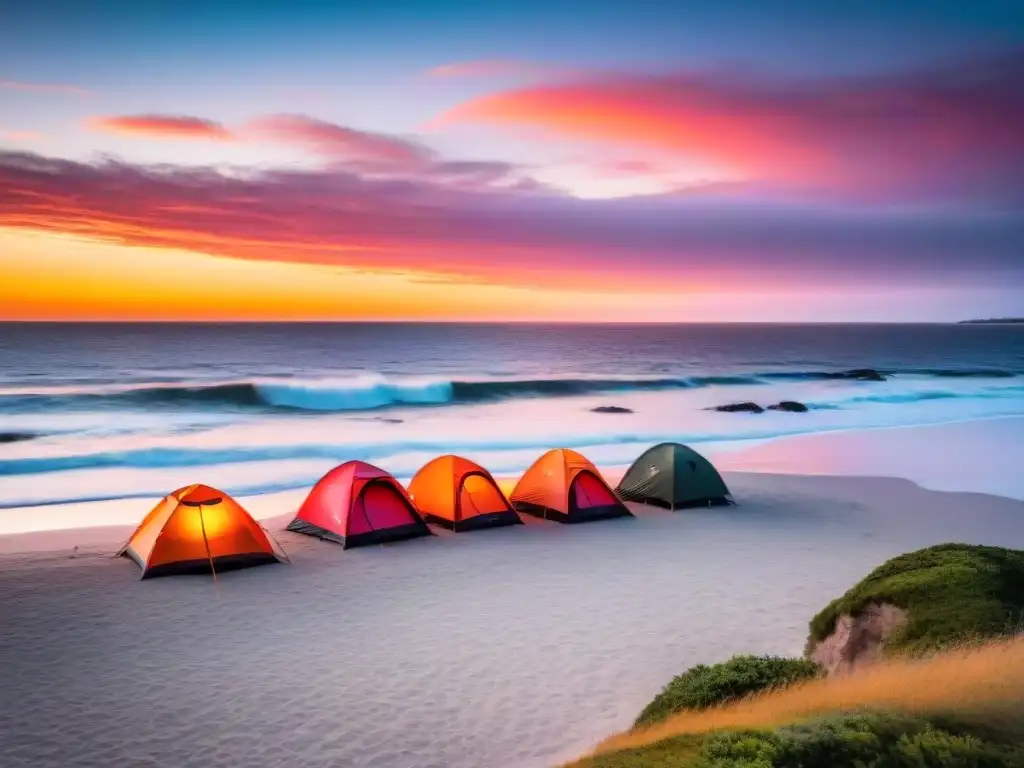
861,374
789,405
15,437
611,409
739,408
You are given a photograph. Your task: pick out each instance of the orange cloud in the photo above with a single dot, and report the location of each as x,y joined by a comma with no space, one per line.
16,85
162,127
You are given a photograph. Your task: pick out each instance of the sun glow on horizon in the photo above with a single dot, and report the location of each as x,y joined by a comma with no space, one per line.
59,277
50,276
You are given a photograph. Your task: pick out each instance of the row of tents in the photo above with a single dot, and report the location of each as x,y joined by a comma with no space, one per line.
200,529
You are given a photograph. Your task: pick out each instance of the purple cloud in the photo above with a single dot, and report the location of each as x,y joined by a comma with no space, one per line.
523,235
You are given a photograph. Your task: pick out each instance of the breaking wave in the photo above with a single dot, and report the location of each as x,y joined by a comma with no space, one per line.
373,391
357,393
900,398
935,373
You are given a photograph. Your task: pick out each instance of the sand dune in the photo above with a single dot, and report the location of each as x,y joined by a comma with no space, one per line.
511,648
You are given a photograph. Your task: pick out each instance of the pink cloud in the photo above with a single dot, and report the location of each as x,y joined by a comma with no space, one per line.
162,127
22,136
365,152
892,134
633,166
482,68
71,90
380,154
339,142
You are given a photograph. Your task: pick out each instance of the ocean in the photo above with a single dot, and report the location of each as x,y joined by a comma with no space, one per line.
110,411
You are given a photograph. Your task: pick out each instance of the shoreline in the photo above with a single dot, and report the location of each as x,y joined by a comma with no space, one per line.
965,456
95,539
974,456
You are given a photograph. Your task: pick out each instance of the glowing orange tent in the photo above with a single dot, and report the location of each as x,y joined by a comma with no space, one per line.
563,485
198,529
459,494
357,504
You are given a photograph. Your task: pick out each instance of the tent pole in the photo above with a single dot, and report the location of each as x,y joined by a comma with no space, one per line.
206,542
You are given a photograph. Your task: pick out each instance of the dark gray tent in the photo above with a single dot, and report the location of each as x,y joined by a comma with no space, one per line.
672,475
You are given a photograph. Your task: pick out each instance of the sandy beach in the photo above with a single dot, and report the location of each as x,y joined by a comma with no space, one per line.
515,647
980,456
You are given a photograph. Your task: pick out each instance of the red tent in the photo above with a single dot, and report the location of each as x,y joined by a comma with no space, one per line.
358,504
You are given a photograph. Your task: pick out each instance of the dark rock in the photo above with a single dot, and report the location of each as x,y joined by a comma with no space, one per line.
995,321
861,374
789,405
739,408
611,409
15,437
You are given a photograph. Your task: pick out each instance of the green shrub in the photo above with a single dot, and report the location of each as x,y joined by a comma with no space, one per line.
951,593
855,741
705,686
677,752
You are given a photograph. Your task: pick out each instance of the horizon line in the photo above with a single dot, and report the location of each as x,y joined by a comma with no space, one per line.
402,321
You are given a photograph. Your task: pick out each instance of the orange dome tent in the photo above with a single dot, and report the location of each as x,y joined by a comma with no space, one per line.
563,485
459,494
198,529
357,504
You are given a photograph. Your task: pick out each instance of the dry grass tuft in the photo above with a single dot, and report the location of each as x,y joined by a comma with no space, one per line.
984,683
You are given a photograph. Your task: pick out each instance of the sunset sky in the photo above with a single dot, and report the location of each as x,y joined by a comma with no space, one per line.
555,160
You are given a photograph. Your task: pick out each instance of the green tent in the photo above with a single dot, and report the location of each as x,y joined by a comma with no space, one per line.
672,475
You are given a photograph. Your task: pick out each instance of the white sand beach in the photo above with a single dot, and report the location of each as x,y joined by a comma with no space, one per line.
511,648
981,456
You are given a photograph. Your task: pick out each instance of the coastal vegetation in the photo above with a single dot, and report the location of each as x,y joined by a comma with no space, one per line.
945,692
859,740
706,685
951,593
956,708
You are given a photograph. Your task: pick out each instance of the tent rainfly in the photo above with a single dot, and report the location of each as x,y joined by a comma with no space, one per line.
357,504
198,529
459,494
564,485
672,475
